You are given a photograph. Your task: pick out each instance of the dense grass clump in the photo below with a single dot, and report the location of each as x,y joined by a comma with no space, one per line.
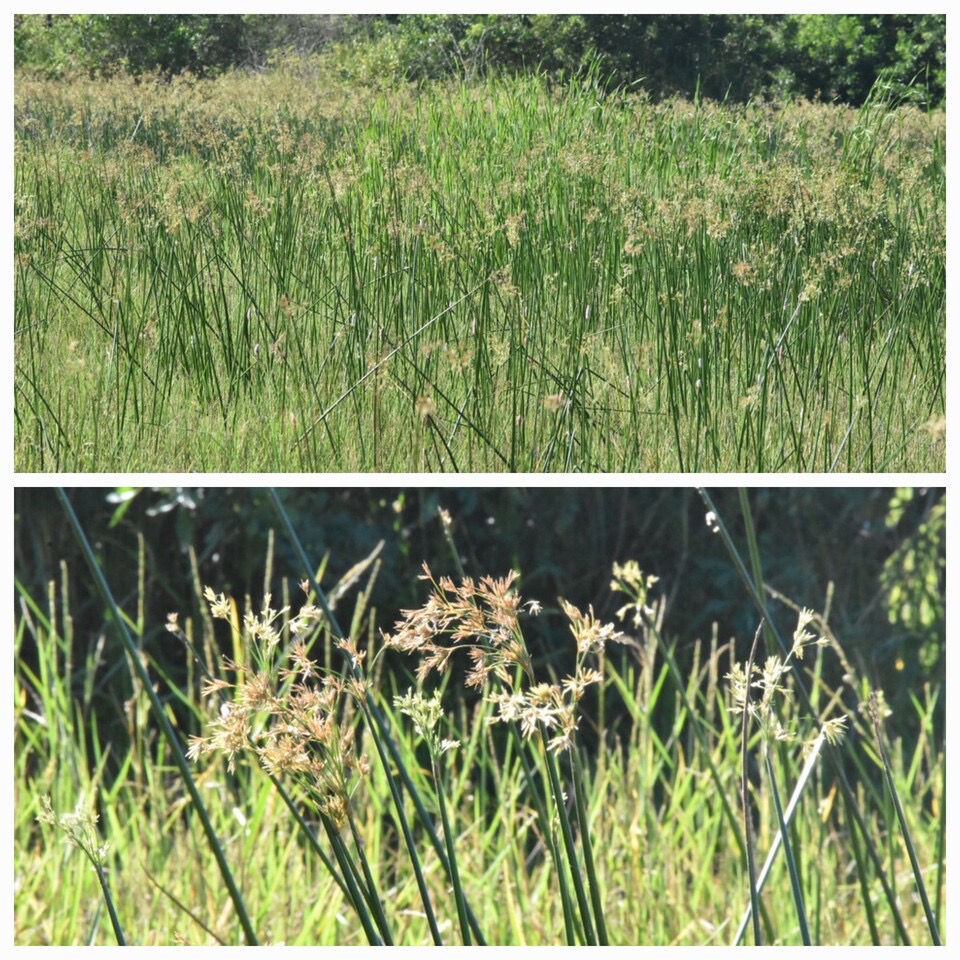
301,790
284,272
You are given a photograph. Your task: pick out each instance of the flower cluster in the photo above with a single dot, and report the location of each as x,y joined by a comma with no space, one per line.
770,681
482,618
284,710
79,829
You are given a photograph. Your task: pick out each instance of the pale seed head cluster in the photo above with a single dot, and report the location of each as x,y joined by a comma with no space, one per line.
770,681
426,714
628,578
79,829
294,718
482,619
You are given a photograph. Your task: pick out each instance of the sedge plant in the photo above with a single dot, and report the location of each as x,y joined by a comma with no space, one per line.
79,829
864,846
300,723
770,682
481,618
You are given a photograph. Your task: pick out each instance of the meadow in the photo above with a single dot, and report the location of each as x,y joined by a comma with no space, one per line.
348,777
287,272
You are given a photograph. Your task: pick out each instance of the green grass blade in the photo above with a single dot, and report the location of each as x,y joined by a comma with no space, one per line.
904,829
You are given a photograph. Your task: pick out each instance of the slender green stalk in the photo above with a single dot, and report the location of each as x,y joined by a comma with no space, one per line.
904,829
358,897
550,837
370,889
596,897
111,909
566,831
941,850
787,817
745,797
448,838
795,886
408,840
160,717
863,879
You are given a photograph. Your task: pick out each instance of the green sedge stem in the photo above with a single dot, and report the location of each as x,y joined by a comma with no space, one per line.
788,852
114,919
582,818
570,848
451,854
161,717
745,797
358,898
370,885
522,747
904,829
788,817
407,838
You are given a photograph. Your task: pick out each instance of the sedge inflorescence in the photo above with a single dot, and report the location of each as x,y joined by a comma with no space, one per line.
482,619
770,682
286,711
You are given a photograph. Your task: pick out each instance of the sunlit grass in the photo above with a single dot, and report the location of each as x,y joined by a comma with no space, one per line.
647,758
286,272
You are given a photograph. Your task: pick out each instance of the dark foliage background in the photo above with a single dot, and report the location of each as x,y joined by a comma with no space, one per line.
737,56
882,548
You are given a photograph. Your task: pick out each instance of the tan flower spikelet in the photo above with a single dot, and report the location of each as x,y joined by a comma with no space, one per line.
283,710
482,619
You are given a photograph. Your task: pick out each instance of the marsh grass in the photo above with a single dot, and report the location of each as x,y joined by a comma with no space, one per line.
285,724
286,272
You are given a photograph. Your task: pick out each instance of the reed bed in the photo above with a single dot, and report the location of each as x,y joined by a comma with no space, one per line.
289,272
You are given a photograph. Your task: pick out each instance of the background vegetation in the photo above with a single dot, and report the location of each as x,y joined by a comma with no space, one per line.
720,56
871,560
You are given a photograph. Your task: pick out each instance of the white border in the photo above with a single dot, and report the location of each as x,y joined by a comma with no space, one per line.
10,479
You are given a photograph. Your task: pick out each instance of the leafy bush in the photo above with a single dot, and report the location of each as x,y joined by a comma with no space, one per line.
841,57
720,56
104,44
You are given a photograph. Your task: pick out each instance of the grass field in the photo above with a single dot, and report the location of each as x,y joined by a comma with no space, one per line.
605,807
285,272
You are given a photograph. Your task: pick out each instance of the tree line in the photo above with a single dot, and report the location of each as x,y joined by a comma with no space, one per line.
720,56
